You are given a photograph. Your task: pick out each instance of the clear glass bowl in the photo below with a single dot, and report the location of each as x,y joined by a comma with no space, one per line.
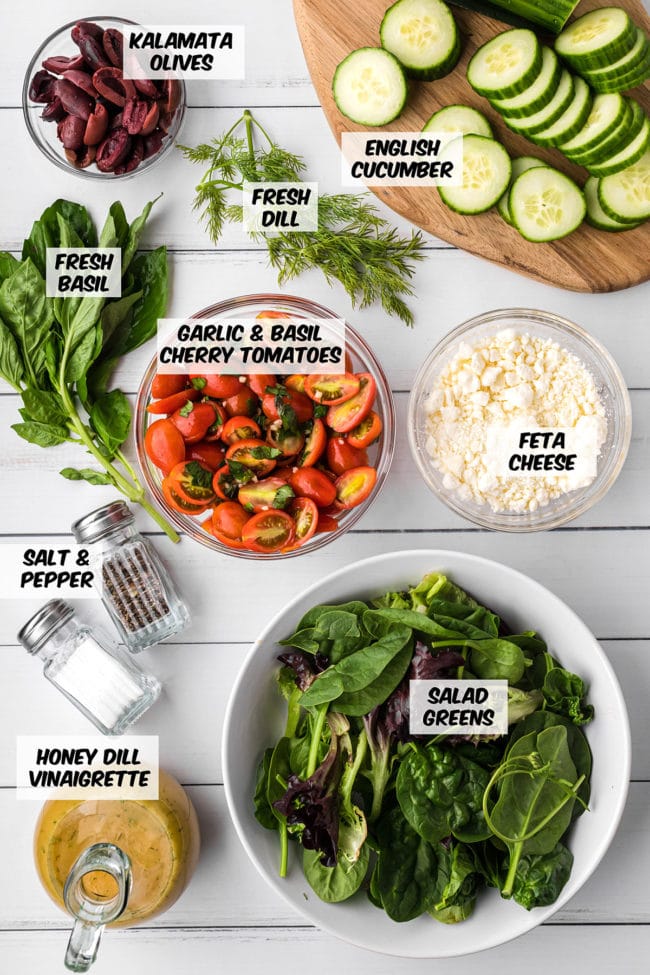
611,389
380,454
44,134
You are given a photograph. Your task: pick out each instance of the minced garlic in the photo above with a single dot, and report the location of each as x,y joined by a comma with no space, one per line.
509,377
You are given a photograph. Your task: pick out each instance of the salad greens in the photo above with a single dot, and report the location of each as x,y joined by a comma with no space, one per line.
59,353
423,824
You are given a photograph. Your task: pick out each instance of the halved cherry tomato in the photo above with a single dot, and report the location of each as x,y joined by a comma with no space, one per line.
207,525
175,501
218,386
305,514
224,484
366,432
166,385
228,519
296,382
354,486
272,492
254,454
228,542
308,482
341,456
269,531
194,420
288,443
346,416
259,381
326,523
315,443
272,314
214,430
242,403
174,402
164,445
210,454
240,428
192,481
331,390
299,403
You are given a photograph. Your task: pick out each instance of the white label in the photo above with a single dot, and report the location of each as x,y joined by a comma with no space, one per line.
189,51
246,346
83,272
86,767
280,208
401,159
458,707
61,571
514,450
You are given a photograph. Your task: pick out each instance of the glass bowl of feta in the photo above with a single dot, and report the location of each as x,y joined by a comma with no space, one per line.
519,420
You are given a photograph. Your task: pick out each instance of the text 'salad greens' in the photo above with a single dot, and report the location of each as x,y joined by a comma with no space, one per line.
59,353
423,823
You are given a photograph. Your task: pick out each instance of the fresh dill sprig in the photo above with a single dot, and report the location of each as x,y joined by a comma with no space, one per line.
354,244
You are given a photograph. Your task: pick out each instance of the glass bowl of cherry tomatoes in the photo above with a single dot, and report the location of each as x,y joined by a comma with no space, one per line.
267,465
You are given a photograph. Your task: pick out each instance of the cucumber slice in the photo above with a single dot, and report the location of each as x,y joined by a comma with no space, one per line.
625,82
626,196
546,205
461,119
628,130
519,165
596,39
555,108
538,95
506,65
607,113
369,86
572,119
626,157
423,36
617,69
596,216
486,174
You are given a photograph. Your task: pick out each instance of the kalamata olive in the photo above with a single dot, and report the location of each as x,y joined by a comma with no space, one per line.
113,44
134,159
113,150
54,111
88,38
73,99
147,87
96,126
41,88
153,144
81,80
134,114
172,95
71,132
111,85
82,158
59,64
116,121
151,119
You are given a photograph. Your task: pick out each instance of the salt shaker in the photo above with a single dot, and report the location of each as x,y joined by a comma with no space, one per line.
105,684
136,587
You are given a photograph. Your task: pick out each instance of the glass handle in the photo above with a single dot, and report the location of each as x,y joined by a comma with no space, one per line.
94,901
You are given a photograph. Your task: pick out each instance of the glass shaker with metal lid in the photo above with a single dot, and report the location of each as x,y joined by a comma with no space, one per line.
135,585
102,681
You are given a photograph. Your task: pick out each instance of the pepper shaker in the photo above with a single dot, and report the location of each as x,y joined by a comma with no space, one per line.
136,587
104,683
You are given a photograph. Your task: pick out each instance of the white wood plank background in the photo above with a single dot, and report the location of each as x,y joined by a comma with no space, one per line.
600,564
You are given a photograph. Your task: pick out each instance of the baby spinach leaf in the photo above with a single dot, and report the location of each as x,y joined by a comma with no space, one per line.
441,793
540,877
264,813
405,876
416,621
496,659
43,434
564,693
458,883
110,416
358,703
338,883
578,746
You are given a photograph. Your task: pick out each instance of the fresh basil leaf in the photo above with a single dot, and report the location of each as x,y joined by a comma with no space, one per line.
150,273
86,474
27,312
45,231
11,363
8,264
78,365
118,313
110,416
134,234
43,434
120,224
44,407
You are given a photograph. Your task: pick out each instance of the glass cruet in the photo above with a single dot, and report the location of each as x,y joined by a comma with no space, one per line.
96,892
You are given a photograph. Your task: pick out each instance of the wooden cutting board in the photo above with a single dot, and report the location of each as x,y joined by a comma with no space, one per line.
588,260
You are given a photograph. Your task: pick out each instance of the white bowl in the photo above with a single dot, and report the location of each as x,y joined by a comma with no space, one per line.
256,714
